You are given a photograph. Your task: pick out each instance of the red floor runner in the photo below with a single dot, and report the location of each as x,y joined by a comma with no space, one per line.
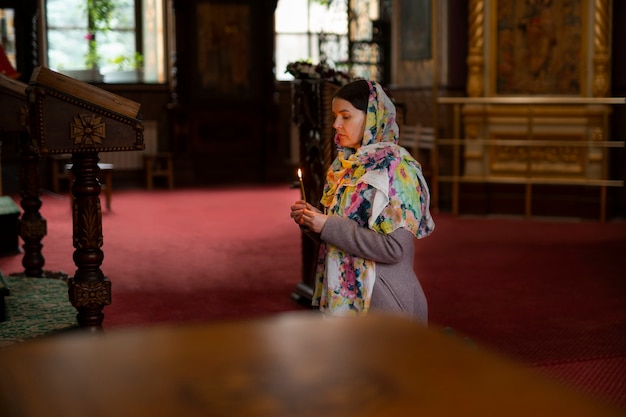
550,293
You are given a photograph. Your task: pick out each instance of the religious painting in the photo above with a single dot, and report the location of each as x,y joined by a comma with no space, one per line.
415,29
223,49
539,47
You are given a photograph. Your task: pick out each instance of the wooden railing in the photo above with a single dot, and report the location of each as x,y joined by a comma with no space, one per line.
529,178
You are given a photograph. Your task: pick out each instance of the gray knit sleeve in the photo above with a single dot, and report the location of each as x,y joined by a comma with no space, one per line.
366,243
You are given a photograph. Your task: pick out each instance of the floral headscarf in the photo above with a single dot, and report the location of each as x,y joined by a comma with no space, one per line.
380,186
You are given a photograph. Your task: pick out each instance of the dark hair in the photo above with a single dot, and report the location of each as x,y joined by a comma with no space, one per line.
356,92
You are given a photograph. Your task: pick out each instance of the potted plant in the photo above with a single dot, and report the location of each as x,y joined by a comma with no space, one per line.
128,69
99,14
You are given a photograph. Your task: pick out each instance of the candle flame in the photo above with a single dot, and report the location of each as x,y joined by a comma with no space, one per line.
301,184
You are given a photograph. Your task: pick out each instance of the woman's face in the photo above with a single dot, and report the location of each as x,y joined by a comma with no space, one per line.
349,123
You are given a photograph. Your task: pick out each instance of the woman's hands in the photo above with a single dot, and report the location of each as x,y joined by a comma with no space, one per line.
308,216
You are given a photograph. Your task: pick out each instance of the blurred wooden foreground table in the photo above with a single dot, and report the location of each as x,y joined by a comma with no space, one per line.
295,364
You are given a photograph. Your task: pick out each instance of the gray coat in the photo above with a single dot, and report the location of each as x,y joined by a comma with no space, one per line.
396,288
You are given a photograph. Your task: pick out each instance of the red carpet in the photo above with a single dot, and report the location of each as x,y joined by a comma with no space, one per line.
549,293
522,285
191,255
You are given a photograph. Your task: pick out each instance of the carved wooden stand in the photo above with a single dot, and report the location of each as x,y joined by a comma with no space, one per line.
69,116
32,226
89,289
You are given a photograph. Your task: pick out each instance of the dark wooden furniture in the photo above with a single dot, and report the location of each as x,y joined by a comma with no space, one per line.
9,220
70,116
313,115
32,226
159,165
223,107
295,364
58,173
106,175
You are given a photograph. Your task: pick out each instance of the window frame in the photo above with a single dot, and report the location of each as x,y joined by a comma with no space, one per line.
155,65
360,53
315,41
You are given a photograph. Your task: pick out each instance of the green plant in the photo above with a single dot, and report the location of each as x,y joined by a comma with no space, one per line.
99,13
125,62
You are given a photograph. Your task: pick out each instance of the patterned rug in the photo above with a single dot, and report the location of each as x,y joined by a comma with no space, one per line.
35,307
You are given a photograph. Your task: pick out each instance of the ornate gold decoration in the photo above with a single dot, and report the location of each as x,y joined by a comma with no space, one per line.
475,59
552,154
472,150
87,130
597,134
601,51
538,160
471,130
85,294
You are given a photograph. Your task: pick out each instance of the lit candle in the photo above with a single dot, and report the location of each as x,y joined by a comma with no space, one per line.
301,184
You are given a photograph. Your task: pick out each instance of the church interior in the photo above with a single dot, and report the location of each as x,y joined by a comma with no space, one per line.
469,63
515,109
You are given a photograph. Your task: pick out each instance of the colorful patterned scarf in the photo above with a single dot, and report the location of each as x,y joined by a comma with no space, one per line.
381,187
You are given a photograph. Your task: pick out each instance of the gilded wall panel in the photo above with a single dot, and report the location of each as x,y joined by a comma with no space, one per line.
536,49
545,141
539,47
541,161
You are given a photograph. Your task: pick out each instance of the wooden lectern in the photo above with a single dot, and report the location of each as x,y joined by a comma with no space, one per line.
70,116
13,99
13,122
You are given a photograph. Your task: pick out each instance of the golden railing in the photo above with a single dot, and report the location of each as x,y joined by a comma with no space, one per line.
529,179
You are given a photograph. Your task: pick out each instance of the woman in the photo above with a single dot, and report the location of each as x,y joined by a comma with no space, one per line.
376,201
